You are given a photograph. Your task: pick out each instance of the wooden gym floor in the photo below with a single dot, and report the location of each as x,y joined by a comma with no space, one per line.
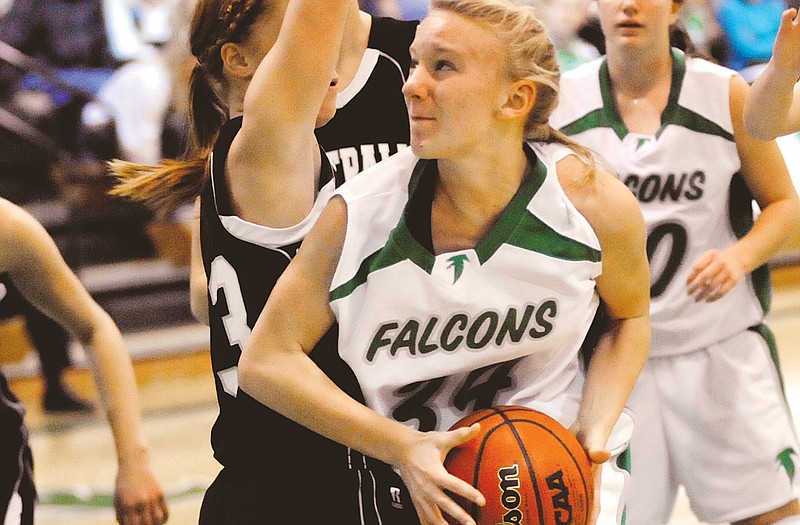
74,455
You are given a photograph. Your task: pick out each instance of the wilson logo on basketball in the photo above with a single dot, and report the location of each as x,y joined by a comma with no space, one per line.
509,494
562,510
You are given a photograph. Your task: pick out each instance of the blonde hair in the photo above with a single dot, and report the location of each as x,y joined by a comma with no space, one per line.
529,54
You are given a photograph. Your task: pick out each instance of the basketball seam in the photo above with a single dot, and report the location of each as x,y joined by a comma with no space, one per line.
531,472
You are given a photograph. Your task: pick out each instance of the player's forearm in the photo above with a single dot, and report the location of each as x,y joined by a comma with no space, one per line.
292,384
612,373
114,376
768,105
775,224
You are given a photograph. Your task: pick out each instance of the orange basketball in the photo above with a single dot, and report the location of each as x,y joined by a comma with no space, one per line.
529,467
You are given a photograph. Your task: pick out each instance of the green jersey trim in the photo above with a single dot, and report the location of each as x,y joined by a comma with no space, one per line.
673,114
740,215
516,226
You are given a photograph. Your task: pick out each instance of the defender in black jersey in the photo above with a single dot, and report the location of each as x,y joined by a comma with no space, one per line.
256,116
371,121
271,463
16,462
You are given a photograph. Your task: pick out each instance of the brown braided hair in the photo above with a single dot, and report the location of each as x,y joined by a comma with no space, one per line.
166,186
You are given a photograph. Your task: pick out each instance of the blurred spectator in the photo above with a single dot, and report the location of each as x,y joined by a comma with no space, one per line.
400,9
146,95
699,20
750,27
84,42
564,19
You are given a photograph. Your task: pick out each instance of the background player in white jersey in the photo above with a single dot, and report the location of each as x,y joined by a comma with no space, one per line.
31,260
484,78
773,104
269,68
709,409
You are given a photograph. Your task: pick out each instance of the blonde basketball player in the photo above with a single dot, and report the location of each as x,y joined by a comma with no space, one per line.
418,257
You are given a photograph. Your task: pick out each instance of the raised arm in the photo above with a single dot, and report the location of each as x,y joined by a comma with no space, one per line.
287,89
773,105
34,264
275,369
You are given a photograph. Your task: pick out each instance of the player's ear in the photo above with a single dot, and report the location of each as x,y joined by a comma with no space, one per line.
520,98
235,60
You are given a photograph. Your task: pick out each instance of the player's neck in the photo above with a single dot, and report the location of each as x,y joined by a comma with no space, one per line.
639,75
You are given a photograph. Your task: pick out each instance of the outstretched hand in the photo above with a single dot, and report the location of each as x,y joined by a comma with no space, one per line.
429,482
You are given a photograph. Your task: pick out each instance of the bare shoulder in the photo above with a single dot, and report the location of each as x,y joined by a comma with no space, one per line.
600,196
18,230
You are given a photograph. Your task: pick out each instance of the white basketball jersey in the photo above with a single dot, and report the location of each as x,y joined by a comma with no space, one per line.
432,338
687,183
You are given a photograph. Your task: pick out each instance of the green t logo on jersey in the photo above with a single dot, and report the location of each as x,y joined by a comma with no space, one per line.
457,263
786,461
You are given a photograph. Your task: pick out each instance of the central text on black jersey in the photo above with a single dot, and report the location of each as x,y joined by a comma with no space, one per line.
351,160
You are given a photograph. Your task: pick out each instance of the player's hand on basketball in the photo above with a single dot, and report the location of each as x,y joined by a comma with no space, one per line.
714,275
595,446
429,483
138,498
786,50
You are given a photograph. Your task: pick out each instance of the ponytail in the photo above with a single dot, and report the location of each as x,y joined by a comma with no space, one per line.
544,132
175,182
680,38
162,188
165,187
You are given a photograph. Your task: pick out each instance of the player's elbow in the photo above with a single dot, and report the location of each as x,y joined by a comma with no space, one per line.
758,129
254,376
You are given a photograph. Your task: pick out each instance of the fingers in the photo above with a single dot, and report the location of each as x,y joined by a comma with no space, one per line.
452,483
709,287
711,278
432,511
151,513
462,435
599,456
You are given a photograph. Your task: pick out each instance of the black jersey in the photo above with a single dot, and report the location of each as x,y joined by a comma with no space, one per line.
371,120
16,464
243,261
276,471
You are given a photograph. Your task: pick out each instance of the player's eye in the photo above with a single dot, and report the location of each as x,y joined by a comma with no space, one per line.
444,65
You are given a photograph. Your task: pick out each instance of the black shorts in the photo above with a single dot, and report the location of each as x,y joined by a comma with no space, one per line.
365,492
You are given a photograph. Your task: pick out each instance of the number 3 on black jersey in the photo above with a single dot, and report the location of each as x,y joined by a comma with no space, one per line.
223,278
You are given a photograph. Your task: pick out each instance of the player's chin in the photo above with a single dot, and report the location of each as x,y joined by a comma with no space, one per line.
422,149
